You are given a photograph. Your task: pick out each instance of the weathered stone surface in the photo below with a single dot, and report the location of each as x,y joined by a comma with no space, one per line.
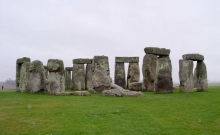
136,86
195,80
75,93
101,75
23,79
37,78
202,84
82,61
56,83
55,65
126,59
46,71
149,71
157,51
68,79
133,73
89,71
118,91
19,63
194,57
69,68
186,75
163,81
78,77
120,74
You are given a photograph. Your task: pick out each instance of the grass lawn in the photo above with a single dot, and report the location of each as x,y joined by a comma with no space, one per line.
196,113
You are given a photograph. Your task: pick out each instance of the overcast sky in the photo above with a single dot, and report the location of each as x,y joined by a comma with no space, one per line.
69,29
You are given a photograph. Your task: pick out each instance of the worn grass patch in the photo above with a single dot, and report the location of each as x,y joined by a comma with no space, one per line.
171,114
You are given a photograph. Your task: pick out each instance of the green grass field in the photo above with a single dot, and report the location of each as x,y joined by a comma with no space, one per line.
196,113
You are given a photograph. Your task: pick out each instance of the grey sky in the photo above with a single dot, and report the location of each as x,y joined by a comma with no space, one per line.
69,29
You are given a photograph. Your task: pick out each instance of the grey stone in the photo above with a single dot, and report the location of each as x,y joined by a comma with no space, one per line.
75,93
194,57
120,74
163,81
78,77
19,63
133,73
68,79
56,83
82,61
69,68
126,59
195,80
149,71
118,91
55,65
202,84
186,75
89,71
136,86
37,79
46,71
23,79
101,74
157,51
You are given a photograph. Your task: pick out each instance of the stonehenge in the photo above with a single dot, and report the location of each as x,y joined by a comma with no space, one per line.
157,70
81,78
94,75
188,81
133,71
22,74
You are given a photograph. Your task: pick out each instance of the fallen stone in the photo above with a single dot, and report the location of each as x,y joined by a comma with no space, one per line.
136,86
149,71
186,75
75,93
82,61
157,51
126,59
194,57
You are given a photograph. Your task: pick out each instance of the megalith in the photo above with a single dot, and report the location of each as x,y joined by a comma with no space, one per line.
186,75
133,73
56,80
199,79
68,78
79,73
120,74
89,70
22,74
149,71
46,71
37,79
163,80
101,74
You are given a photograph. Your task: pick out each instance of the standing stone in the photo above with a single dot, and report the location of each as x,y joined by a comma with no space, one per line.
195,80
202,84
101,75
89,70
120,74
19,63
37,78
78,77
186,75
149,71
68,79
24,75
56,80
163,81
46,71
133,73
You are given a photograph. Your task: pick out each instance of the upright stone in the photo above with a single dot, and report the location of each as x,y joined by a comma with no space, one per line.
24,74
186,75
120,74
56,78
163,81
68,79
202,84
101,75
78,77
195,80
133,73
46,71
89,70
149,71
37,79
